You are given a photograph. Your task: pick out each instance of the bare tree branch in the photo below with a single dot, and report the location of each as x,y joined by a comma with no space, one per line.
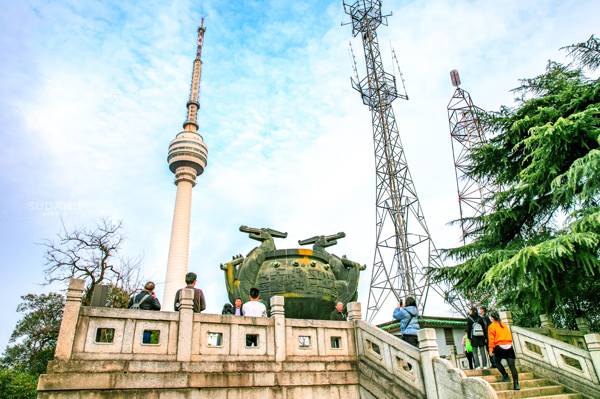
92,254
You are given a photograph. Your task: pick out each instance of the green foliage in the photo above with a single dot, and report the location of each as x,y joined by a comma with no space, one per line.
586,54
17,385
538,249
32,343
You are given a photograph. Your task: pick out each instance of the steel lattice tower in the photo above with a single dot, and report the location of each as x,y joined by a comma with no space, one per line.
466,132
404,248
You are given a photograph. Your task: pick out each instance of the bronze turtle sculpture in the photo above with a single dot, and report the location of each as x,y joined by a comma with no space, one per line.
312,281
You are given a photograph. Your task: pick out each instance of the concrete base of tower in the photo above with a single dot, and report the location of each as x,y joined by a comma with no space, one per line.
177,265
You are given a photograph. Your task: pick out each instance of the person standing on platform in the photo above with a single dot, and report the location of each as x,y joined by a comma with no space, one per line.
337,313
145,300
407,313
254,308
238,307
199,302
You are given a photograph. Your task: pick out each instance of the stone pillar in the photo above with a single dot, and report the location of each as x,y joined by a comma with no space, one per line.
546,321
278,313
429,351
582,325
354,311
68,325
593,344
186,324
453,356
506,318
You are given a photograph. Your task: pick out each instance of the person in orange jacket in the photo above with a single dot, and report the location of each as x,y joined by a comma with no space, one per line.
501,347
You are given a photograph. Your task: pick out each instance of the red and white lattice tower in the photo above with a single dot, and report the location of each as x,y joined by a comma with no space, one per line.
466,132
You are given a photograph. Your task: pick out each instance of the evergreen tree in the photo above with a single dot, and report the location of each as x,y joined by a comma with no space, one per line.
33,341
537,251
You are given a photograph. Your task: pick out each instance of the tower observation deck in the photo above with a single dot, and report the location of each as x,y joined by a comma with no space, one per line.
187,158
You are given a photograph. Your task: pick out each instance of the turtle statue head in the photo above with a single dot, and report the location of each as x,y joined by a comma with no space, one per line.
322,242
262,234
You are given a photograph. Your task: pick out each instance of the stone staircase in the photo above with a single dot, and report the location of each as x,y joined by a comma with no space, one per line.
531,386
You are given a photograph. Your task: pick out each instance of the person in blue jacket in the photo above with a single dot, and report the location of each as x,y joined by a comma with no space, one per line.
407,313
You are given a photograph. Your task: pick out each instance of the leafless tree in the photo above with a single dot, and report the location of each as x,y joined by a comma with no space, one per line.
92,254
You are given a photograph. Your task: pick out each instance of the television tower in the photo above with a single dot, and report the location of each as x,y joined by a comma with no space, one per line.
404,248
465,133
187,159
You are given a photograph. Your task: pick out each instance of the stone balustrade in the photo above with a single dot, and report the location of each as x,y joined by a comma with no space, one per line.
391,368
571,337
567,364
105,353
122,334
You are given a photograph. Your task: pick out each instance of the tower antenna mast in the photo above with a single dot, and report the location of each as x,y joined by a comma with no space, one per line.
187,158
404,249
466,133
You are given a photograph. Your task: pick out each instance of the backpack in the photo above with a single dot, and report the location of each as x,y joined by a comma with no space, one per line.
476,329
177,301
136,304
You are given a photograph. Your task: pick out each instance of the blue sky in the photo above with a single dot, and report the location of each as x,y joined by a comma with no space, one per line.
91,93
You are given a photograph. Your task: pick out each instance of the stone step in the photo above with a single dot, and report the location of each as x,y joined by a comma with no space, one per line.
523,384
495,378
560,396
482,372
531,392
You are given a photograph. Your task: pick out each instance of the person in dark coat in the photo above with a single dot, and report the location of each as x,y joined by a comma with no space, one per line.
145,300
337,313
237,310
477,341
199,302
407,313
483,313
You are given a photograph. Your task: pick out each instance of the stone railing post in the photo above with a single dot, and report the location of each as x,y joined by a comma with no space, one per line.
582,325
429,351
546,321
593,344
454,356
506,318
68,325
186,325
278,313
354,311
